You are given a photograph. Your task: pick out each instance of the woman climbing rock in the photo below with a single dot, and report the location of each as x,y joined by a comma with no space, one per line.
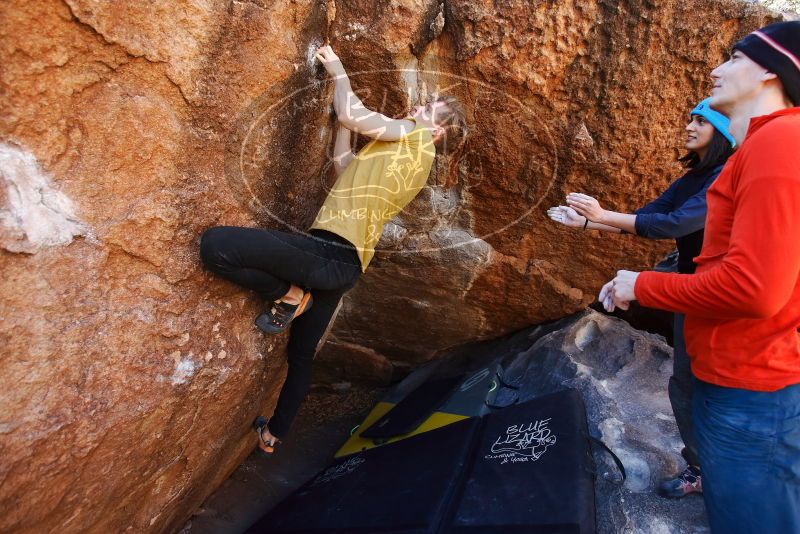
303,276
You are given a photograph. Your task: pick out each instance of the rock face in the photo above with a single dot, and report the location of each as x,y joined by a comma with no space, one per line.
562,97
130,374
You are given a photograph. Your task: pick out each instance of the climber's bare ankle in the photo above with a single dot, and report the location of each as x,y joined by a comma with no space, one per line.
293,296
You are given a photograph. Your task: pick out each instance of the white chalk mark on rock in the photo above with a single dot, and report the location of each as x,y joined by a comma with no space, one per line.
33,215
313,46
184,369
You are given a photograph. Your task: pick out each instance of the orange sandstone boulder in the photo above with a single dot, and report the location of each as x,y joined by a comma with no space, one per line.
129,374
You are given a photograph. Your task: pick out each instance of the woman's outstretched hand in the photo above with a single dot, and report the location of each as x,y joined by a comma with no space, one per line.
566,216
329,60
586,206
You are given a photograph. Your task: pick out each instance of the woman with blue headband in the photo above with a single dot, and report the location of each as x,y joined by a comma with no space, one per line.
679,213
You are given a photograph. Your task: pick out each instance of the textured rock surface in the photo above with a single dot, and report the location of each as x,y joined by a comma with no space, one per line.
130,375
34,216
563,96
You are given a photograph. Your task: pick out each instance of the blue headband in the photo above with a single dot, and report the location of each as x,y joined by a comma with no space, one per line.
717,119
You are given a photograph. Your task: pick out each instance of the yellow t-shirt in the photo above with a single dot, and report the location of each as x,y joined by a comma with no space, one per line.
377,184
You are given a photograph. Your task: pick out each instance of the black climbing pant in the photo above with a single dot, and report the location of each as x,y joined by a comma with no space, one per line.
268,262
681,388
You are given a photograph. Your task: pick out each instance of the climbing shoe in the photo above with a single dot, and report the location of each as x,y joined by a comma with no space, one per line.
687,482
276,319
259,425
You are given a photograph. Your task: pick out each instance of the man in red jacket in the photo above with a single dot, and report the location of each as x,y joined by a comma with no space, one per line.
742,305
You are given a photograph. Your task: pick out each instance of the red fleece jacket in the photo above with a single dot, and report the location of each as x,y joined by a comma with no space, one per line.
742,305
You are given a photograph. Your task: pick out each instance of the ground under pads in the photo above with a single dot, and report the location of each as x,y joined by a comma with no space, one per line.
523,468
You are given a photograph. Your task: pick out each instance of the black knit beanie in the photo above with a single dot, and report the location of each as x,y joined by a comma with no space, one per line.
777,48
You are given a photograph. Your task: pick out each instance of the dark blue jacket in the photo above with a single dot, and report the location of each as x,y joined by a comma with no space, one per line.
679,213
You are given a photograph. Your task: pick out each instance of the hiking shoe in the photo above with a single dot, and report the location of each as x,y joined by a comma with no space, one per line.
687,482
277,318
